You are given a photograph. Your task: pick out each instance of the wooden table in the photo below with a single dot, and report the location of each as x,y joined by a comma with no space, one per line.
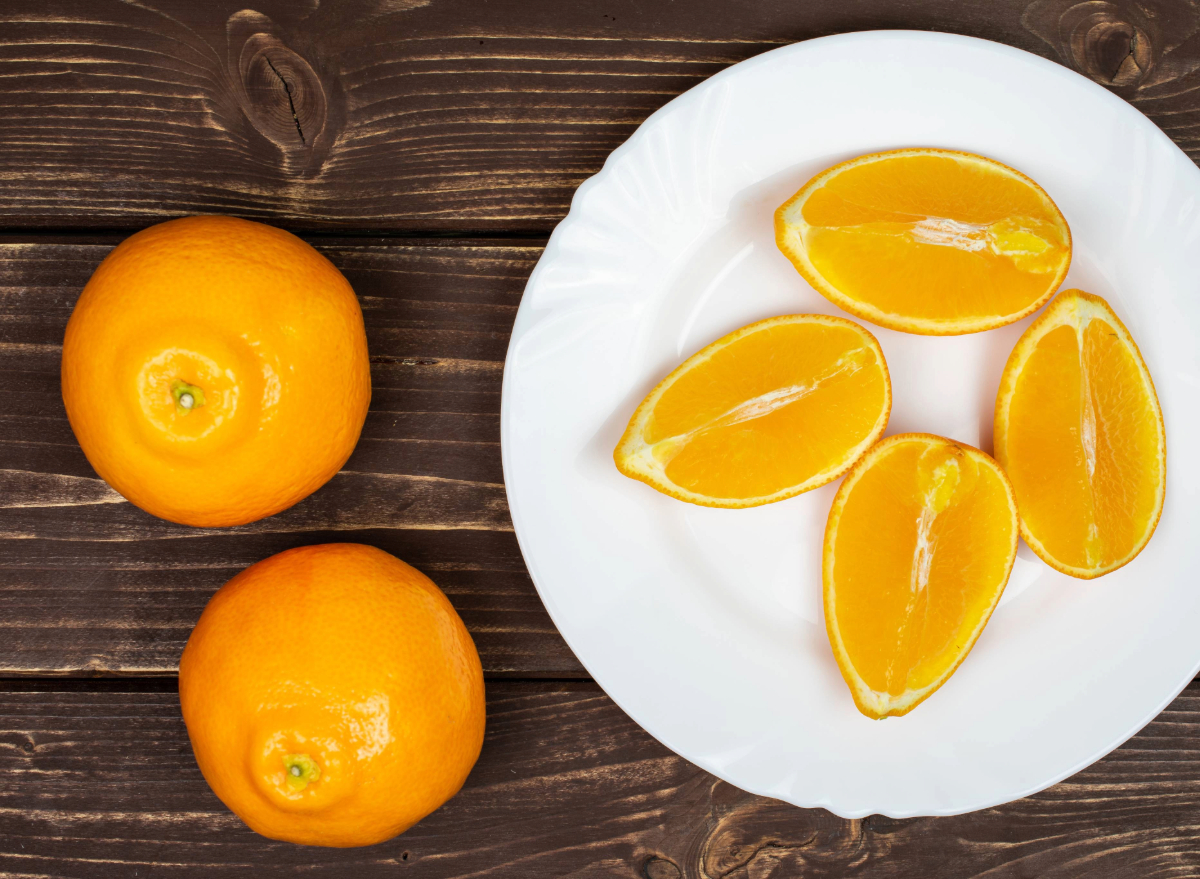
428,147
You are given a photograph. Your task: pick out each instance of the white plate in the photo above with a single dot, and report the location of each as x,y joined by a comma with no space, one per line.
706,625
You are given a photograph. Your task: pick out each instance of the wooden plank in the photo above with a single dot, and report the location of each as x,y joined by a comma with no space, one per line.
457,115
91,584
103,784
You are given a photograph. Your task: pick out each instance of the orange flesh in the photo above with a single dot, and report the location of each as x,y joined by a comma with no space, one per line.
783,405
927,241
918,552
1081,438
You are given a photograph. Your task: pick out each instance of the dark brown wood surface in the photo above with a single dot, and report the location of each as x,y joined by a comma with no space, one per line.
442,140
457,115
90,584
101,783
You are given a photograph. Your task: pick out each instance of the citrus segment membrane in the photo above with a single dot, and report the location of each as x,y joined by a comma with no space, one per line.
927,241
919,544
1080,433
771,410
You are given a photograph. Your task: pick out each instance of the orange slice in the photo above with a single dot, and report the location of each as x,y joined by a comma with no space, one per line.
1080,433
919,545
927,241
769,411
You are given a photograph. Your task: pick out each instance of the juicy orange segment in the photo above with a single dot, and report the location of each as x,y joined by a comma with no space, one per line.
1080,433
927,241
918,548
769,411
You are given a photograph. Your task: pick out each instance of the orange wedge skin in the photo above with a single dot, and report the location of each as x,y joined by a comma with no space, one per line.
630,463
798,256
1055,317
870,702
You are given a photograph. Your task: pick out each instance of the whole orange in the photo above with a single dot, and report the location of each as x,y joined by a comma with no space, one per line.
332,696
215,370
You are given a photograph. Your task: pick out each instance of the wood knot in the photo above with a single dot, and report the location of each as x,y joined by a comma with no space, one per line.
660,868
1110,50
767,837
1110,42
279,91
285,95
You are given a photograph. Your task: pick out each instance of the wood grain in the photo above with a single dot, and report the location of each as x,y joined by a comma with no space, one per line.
453,115
103,784
429,117
90,584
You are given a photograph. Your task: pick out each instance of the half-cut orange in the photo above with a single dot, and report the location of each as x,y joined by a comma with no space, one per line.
919,544
1080,433
927,241
769,411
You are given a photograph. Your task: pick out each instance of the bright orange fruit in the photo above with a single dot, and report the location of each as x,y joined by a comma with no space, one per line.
332,696
769,411
927,241
1080,433
919,544
215,370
